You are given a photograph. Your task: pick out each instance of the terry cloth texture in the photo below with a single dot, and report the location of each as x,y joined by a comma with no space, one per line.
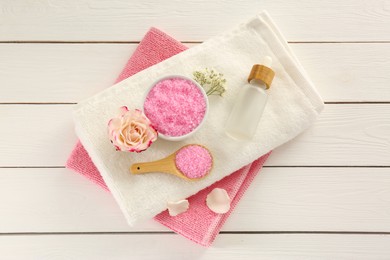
198,223
293,105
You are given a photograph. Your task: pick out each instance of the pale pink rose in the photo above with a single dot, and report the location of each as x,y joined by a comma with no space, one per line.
131,131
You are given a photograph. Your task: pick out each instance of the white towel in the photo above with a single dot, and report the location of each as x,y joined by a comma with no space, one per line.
292,106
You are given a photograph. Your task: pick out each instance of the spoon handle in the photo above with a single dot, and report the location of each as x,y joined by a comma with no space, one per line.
166,165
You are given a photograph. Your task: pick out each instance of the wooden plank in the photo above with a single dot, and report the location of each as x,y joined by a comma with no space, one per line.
123,20
280,199
59,72
40,135
345,135
348,72
170,246
72,72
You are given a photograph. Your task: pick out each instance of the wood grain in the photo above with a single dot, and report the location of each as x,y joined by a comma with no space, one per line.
92,41
124,20
171,247
344,135
72,72
40,135
280,199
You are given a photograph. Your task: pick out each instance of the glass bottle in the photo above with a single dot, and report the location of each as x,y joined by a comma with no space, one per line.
248,109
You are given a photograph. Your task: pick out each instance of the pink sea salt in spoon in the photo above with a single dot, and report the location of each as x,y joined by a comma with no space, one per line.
191,162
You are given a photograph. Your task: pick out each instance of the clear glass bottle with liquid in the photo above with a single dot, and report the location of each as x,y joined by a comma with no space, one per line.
248,109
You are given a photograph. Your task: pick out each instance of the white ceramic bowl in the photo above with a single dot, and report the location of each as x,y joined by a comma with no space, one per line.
182,137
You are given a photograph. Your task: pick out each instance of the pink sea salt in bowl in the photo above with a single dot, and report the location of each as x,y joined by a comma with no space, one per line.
177,107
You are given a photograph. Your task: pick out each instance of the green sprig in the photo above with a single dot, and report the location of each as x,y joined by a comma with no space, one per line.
212,81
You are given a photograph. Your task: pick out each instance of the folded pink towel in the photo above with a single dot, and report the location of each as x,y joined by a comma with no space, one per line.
199,224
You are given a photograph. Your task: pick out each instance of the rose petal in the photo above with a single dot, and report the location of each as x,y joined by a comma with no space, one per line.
114,123
123,110
178,207
218,201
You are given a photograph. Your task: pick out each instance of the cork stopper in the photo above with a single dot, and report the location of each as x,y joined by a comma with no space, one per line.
263,72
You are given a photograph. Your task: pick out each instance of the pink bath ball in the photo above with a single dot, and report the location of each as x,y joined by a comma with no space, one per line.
194,161
175,106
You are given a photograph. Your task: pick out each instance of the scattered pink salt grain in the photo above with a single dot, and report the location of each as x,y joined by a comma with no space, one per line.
194,161
175,106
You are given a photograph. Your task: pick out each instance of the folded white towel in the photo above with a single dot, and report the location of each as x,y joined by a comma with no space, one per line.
292,106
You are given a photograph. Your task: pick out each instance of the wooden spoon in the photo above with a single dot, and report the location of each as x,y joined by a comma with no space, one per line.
191,162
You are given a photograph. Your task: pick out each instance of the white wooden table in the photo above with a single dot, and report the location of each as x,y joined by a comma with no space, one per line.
325,195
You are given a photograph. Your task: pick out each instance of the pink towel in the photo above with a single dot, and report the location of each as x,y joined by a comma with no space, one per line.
198,224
